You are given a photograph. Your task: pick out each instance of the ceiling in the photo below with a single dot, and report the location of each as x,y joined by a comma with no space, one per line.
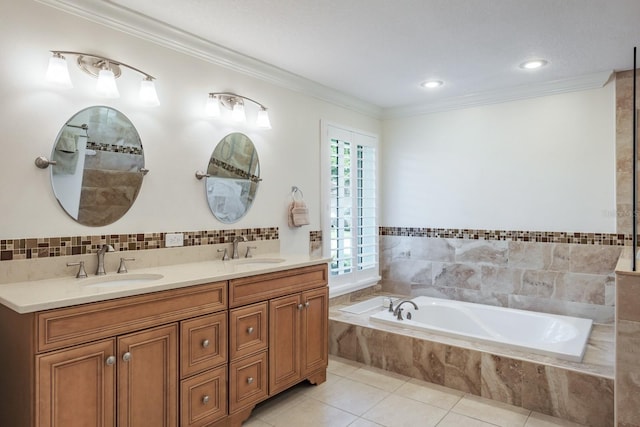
378,51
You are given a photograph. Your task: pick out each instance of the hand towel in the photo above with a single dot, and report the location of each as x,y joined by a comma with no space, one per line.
298,214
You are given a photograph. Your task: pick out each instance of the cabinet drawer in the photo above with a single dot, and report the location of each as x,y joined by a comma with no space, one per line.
247,381
252,289
203,343
204,398
248,330
73,325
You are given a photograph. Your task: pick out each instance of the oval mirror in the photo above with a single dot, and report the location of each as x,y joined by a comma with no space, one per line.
233,177
99,166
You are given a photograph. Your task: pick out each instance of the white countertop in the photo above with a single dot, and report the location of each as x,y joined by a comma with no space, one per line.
31,296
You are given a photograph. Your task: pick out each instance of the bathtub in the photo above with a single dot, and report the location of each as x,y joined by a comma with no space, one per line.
563,337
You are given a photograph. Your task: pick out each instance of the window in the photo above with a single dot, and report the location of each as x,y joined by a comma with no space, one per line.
350,226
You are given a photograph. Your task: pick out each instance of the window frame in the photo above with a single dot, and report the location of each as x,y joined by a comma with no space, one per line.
357,279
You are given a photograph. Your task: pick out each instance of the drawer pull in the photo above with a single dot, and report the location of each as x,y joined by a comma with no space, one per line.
111,360
300,306
205,400
126,357
250,330
205,344
307,304
250,380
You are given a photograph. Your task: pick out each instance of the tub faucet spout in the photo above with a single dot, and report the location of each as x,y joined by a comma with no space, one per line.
398,311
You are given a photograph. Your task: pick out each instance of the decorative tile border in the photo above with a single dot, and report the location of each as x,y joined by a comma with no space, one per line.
315,236
15,249
99,146
516,236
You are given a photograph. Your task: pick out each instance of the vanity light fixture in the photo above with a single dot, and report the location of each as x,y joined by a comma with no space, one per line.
235,103
105,70
432,84
534,64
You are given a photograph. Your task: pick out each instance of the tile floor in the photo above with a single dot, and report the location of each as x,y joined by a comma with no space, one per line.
360,396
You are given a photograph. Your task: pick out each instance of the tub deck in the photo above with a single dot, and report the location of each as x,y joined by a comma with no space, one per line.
599,356
581,392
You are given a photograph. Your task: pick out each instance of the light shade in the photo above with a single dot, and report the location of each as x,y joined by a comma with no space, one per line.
263,119
58,72
148,95
237,115
106,85
212,107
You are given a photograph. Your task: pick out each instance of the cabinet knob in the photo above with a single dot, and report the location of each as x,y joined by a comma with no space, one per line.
307,304
111,360
300,306
126,357
205,344
250,330
250,380
205,399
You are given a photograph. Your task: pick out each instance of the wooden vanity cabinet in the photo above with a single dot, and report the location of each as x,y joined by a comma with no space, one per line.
199,356
102,364
290,347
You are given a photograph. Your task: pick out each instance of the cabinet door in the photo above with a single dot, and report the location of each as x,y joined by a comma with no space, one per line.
315,329
147,378
76,387
284,342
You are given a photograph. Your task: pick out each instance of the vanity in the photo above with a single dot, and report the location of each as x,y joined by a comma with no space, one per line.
194,345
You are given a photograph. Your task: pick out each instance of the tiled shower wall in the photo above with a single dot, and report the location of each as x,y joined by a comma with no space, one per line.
575,279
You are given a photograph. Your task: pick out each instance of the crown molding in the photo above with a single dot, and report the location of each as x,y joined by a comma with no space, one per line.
585,82
106,13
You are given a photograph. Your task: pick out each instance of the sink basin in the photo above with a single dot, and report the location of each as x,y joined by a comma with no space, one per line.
260,261
120,280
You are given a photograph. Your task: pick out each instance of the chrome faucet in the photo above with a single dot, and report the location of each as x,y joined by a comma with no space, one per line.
236,240
105,248
398,311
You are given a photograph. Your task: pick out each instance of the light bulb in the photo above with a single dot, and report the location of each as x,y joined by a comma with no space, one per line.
58,72
106,85
148,95
212,107
533,64
263,121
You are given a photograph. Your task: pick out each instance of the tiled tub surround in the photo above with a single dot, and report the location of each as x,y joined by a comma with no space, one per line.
559,278
579,392
627,344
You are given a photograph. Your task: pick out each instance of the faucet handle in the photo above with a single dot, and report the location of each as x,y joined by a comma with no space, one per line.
123,268
81,271
249,254
225,256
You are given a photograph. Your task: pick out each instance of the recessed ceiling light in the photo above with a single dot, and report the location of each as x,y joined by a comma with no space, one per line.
430,84
533,64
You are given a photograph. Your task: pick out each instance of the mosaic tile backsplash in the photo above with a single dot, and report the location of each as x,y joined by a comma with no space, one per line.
29,248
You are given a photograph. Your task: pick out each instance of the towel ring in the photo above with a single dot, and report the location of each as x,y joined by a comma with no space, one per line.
294,191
